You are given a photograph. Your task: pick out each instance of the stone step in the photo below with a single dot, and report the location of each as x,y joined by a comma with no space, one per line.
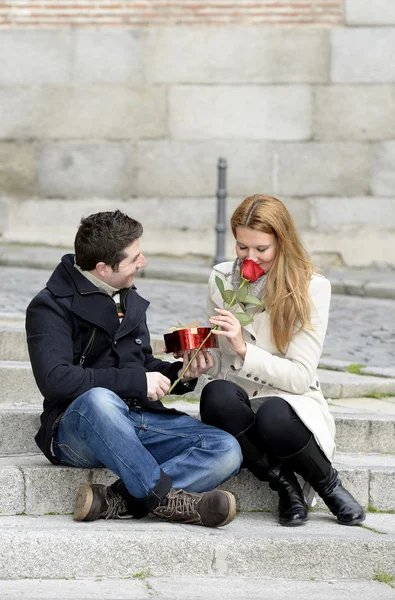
31,485
50,547
17,385
355,431
142,586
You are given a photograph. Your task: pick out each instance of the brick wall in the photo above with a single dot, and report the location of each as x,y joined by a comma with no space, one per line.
41,13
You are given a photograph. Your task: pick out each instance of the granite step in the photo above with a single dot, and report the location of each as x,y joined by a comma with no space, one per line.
141,586
357,430
17,384
55,547
31,485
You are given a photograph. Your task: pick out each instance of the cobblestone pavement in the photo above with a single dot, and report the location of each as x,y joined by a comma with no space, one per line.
361,330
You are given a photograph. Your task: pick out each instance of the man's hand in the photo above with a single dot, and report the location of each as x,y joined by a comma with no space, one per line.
157,385
202,363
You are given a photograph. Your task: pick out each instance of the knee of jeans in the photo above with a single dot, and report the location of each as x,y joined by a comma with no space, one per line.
233,455
99,400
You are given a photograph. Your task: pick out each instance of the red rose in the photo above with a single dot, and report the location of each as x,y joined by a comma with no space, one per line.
250,270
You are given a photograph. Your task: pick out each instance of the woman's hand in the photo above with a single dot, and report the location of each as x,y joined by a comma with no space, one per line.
231,329
202,363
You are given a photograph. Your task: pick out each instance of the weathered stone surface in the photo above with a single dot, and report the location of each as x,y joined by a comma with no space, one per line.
363,55
236,54
321,168
12,498
13,344
17,169
188,169
52,490
83,170
17,384
18,426
354,212
35,57
241,112
353,112
4,205
382,486
111,56
121,549
383,174
84,112
381,12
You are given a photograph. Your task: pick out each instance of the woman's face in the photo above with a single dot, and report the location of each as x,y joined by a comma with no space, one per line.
259,247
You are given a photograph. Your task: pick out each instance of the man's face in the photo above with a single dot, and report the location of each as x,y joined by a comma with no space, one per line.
123,275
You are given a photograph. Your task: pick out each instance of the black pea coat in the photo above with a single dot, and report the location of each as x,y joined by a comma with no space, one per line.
76,343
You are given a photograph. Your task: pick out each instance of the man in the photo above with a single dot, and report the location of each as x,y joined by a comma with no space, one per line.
90,352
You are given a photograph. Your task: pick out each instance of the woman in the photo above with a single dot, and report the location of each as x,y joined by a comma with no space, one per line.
266,390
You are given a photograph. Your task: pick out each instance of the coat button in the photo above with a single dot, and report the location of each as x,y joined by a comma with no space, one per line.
233,367
317,383
248,374
253,338
255,393
264,382
138,341
115,342
256,378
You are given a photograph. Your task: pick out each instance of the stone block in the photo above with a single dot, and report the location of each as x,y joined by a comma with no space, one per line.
33,57
380,12
383,174
241,112
13,344
346,213
111,56
18,426
363,55
4,207
365,435
17,385
374,249
236,54
17,169
353,112
12,498
50,489
382,486
189,169
83,112
83,170
321,168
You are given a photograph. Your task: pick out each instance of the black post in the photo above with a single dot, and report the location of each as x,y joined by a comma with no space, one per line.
221,212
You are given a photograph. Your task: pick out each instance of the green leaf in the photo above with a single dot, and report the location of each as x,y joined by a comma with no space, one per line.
243,308
227,296
241,294
243,318
250,299
220,284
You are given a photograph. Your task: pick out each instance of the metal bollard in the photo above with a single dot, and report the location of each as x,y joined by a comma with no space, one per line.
221,212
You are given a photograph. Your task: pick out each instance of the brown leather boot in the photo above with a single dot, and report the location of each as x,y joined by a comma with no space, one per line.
211,509
98,501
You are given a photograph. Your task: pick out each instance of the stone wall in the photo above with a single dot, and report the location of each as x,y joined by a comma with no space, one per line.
136,118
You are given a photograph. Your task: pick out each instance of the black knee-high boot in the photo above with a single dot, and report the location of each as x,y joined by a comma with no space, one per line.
292,508
315,468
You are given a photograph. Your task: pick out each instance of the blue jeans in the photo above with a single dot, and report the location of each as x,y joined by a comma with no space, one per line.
99,430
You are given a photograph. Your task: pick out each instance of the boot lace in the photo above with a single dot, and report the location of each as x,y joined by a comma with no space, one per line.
116,506
180,503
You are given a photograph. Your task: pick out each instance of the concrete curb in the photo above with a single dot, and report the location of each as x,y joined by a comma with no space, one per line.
253,544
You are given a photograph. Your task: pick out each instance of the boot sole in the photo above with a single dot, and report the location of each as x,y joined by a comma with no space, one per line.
293,523
232,509
83,503
353,522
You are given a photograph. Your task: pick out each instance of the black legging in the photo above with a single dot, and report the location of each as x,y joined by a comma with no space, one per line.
226,406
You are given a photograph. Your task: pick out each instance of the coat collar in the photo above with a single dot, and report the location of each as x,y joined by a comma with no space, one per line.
92,304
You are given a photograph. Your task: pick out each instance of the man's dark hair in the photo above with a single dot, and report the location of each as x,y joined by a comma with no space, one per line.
103,237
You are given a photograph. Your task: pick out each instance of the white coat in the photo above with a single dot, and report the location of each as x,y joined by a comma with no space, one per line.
266,372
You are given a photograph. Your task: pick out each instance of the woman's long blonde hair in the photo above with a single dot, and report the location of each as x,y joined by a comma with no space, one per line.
286,296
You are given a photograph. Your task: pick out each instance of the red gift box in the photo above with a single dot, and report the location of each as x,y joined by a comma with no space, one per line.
189,339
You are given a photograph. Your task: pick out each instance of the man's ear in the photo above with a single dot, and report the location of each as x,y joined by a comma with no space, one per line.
102,269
